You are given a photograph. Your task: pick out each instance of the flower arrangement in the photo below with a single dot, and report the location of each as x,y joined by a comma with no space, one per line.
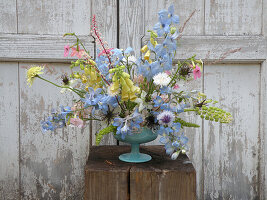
129,93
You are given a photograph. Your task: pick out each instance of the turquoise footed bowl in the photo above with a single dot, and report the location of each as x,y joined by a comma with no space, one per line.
146,135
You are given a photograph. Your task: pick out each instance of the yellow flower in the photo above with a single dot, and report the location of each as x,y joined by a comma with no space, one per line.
147,55
144,49
32,73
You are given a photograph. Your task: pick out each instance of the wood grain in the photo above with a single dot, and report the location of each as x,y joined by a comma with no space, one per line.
47,48
52,163
131,28
160,178
222,49
8,16
240,17
54,17
231,160
9,131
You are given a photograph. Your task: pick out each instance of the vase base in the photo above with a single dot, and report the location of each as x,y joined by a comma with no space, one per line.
135,158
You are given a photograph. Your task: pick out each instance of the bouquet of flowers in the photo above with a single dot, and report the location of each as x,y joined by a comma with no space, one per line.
129,93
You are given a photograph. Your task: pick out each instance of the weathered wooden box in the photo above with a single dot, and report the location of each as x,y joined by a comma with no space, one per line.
108,178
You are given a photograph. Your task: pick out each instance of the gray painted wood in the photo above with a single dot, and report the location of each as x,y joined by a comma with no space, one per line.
45,157
9,131
52,163
239,17
47,48
54,17
223,49
183,8
131,28
231,151
8,16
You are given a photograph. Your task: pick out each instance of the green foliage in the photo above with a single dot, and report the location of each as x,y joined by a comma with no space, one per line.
103,132
214,114
186,124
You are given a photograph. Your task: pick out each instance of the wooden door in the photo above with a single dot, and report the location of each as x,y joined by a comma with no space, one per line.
230,36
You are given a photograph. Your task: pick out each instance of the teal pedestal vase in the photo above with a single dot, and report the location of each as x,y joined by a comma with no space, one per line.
135,139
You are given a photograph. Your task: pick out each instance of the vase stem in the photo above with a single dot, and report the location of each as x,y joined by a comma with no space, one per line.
135,148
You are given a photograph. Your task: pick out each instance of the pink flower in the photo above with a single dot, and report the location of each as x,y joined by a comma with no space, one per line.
168,72
176,86
66,50
197,72
77,122
105,52
78,53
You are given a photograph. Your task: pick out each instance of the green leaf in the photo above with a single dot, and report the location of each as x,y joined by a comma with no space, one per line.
103,132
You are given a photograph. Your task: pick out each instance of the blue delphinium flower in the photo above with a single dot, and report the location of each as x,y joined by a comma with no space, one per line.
102,63
126,125
158,101
163,26
146,70
171,17
129,50
91,98
117,56
47,125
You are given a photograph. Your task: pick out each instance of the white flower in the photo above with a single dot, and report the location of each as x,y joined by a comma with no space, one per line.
131,59
175,155
166,118
162,79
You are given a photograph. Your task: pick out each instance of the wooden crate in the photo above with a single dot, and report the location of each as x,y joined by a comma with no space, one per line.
108,178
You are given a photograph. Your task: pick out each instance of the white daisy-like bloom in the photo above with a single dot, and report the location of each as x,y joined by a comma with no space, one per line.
162,79
166,118
131,59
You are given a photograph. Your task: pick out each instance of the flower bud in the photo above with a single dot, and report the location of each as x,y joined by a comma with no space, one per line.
147,55
144,49
173,30
175,155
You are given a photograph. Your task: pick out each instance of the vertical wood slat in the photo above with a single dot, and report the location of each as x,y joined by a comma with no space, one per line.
52,163
239,17
131,28
54,17
264,107
8,16
231,150
106,17
9,129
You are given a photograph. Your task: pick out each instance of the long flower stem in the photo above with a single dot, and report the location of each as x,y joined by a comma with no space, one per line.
74,90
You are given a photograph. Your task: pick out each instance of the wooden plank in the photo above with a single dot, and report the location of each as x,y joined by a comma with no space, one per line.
231,160
263,130
233,17
223,49
107,24
131,27
264,16
105,176
106,17
54,17
9,131
183,8
26,47
8,16
160,178
52,164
